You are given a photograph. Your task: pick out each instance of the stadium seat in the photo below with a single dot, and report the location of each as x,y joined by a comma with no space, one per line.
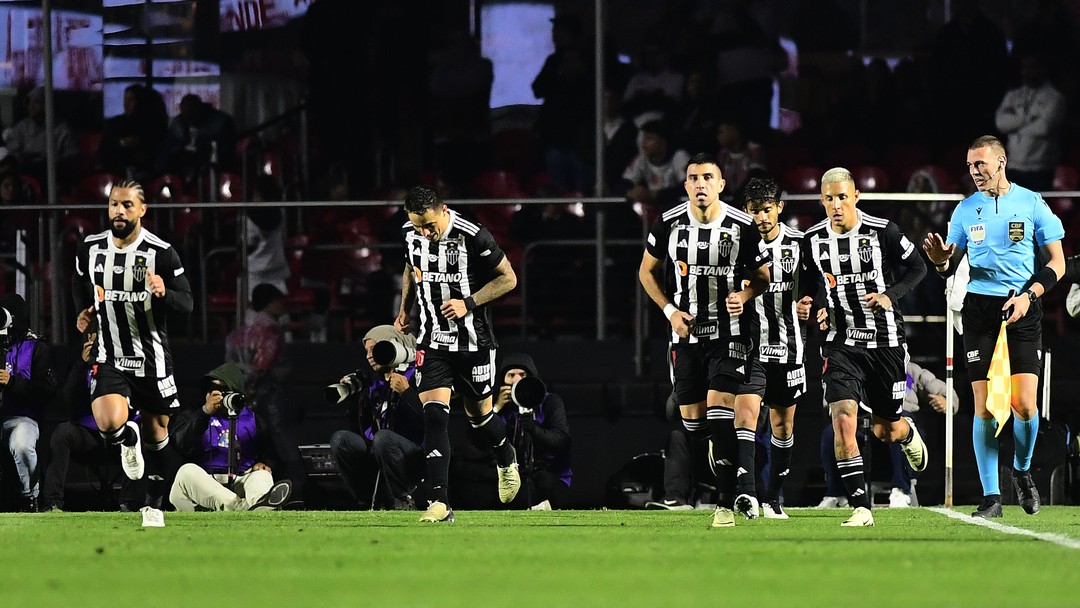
164,189
31,187
497,184
869,178
94,188
943,180
1066,179
805,179
848,156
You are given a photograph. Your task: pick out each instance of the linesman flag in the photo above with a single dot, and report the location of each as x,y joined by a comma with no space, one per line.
999,382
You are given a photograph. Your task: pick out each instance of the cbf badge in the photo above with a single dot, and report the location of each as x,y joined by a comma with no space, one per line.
866,252
1016,231
725,244
139,269
787,259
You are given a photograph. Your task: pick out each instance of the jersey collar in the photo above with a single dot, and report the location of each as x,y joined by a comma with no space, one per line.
855,228
713,224
132,245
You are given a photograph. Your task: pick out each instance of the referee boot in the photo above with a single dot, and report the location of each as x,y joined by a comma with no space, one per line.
860,517
915,449
1026,492
437,512
131,457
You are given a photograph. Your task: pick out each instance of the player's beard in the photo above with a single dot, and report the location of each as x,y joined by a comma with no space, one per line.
124,231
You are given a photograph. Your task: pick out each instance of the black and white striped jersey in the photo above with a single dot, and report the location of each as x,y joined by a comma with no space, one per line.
132,334
862,261
708,262
780,337
453,268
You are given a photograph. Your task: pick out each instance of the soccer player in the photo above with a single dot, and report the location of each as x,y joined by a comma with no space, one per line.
859,257
1001,227
454,269
779,376
126,281
711,248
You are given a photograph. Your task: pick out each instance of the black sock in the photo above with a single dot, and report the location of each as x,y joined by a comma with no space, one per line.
851,472
725,451
746,476
493,430
910,435
162,462
437,446
779,466
124,435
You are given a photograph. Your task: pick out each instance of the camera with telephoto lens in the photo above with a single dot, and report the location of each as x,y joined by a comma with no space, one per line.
233,402
528,393
6,321
348,386
392,353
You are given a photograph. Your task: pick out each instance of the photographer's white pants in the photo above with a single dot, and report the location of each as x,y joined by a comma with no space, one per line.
195,488
20,435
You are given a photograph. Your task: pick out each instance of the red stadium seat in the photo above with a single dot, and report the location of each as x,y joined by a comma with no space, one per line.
497,184
1066,178
164,189
869,178
94,188
803,180
942,180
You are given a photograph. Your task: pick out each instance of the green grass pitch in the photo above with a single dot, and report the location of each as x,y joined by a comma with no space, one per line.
912,558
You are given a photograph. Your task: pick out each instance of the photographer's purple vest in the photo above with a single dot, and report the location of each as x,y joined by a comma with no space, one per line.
216,443
560,465
19,363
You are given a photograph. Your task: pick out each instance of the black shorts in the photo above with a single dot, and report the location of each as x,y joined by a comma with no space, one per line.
778,384
875,378
719,365
148,395
982,323
470,374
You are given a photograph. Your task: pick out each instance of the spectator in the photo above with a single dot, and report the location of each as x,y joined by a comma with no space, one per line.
657,173
27,384
204,436
459,88
386,430
1031,117
739,158
198,137
266,262
130,141
655,89
620,140
695,117
26,141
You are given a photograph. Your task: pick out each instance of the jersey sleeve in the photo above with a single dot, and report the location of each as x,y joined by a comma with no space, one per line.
488,253
1048,227
752,255
177,287
656,242
897,245
899,250
82,290
957,232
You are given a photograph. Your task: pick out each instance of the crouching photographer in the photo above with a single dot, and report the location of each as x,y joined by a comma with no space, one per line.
228,449
536,424
386,423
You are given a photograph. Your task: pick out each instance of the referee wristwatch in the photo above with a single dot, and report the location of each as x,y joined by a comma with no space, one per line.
1031,296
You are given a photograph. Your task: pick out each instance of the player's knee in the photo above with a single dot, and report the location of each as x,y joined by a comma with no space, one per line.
436,415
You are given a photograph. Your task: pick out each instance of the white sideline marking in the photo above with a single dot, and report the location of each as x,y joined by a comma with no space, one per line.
1057,539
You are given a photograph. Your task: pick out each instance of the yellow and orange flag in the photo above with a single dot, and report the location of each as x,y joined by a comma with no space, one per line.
999,382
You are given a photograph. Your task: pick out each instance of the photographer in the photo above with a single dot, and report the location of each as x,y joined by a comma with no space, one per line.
208,482
536,424
27,384
387,426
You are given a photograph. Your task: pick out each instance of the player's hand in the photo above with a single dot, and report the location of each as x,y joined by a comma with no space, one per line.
5,377
258,466
1019,304
823,318
454,309
502,399
936,250
877,302
155,284
937,402
682,323
802,308
85,320
734,303
401,323
398,383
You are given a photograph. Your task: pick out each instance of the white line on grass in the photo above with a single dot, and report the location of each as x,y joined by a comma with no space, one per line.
1057,539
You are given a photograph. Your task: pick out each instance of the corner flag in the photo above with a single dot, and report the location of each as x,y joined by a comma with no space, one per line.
999,382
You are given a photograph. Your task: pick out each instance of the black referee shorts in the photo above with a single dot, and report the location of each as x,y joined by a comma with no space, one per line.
719,365
148,395
982,323
470,374
875,378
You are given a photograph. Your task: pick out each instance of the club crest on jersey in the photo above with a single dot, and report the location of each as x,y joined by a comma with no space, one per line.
1016,231
452,253
866,252
787,259
725,244
138,270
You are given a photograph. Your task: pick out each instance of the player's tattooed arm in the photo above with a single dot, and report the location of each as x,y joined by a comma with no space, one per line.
408,294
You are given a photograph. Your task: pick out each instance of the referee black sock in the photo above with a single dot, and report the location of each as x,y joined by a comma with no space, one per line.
746,475
779,466
493,430
725,451
437,447
124,435
851,472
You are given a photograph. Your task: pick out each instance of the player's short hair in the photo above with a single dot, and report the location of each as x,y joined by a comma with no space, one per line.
760,190
420,199
702,158
837,175
988,140
134,185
